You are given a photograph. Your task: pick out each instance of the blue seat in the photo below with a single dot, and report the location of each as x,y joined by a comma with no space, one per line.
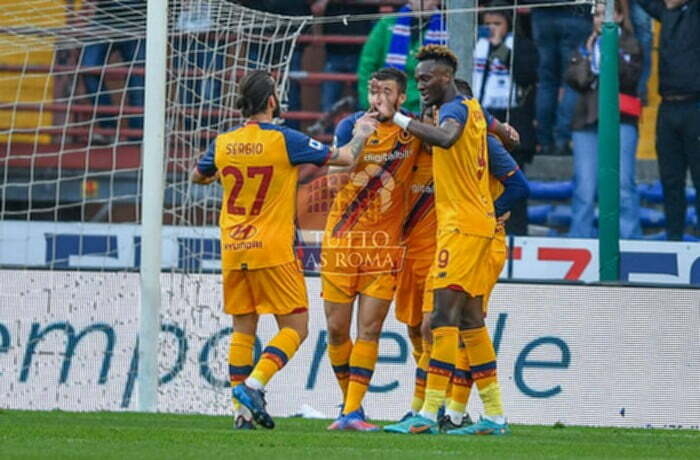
561,190
661,236
651,218
654,193
537,214
560,216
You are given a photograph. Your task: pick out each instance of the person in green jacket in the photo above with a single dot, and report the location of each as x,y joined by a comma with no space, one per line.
394,42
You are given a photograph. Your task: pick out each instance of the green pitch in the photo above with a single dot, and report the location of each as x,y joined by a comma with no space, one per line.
135,436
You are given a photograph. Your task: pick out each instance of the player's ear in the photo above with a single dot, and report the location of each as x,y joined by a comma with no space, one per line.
402,99
272,102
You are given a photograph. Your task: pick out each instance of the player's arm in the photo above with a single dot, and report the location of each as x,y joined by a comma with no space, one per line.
205,172
350,139
508,135
453,116
506,170
304,150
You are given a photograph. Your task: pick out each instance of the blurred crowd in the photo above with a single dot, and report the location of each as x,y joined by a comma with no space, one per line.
535,68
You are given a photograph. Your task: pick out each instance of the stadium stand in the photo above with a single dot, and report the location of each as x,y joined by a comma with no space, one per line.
549,211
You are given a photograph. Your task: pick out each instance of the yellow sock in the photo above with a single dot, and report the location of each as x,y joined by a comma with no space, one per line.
421,376
275,355
482,358
362,361
461,383
240,359
417,343
440,368
340,362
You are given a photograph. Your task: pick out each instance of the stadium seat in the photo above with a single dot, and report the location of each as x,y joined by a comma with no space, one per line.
654,193
651,218
661,236
560,190
537,214
560,216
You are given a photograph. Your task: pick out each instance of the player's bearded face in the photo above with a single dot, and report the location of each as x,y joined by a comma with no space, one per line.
385,98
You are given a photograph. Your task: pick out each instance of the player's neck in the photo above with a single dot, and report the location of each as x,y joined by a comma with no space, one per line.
262,117
450,93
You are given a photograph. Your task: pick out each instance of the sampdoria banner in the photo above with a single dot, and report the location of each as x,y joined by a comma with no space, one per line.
580,355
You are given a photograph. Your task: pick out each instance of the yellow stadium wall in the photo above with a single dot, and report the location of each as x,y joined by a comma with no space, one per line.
16,87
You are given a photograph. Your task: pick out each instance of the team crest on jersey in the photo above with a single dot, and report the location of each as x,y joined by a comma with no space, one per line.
405,136
242,231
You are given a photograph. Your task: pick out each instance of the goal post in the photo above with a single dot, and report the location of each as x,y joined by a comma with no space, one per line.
95,158
152,159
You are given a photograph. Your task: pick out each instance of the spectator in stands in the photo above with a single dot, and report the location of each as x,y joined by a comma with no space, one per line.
557,32
640,22
508,95
287,8
678,122
393,42
198,53
582,74
340,58
121,15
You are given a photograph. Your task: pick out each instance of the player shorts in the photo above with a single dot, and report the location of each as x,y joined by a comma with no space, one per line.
410,290
348,271
342,288
496,260
462,263
278,290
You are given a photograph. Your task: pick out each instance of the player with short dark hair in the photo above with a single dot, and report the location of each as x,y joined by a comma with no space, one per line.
364,224
257,165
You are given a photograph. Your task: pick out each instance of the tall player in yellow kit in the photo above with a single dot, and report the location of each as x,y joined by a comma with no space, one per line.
507,185
413,301
257,165
466,228
363,226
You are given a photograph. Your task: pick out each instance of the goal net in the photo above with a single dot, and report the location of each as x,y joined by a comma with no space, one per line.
71,129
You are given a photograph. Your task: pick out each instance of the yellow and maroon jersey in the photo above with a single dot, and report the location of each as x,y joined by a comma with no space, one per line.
374,198
420,225
257,164
462,197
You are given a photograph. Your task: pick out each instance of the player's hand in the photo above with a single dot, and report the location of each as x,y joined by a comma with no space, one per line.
513,136
366,125
210,179
501,220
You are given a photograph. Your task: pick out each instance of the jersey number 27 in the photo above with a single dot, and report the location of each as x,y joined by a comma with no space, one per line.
239,179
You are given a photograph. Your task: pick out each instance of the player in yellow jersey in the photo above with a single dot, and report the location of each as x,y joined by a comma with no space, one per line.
507,185
360,250
257,165
413,301
466,228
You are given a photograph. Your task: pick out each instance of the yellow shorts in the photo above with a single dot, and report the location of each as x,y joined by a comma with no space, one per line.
342,288
497,259
278,290
462,263
410,290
